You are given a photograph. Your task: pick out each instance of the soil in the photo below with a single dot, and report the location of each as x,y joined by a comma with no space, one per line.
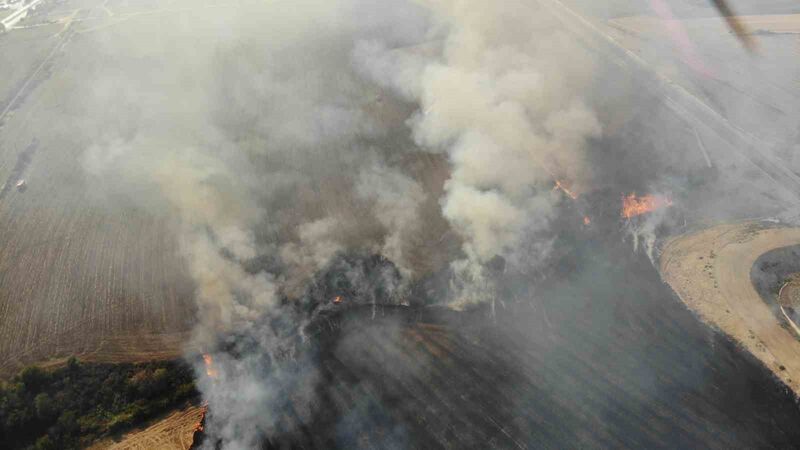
710,271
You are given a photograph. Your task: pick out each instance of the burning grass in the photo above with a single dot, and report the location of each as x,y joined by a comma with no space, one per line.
211,371
560,185
633,205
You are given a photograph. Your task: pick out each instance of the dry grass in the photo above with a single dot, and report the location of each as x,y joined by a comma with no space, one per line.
710,271
175,432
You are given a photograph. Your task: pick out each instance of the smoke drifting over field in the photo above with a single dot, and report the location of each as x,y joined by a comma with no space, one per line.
505,103
288,137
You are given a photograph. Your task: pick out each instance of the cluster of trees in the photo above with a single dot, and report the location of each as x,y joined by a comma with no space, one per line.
71,406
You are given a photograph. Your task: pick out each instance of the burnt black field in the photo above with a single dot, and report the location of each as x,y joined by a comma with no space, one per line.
605,357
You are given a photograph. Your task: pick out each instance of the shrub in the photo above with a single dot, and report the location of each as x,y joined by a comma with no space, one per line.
68,407
33,378
45,443
44,406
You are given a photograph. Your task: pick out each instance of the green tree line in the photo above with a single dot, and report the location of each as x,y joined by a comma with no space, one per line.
71,406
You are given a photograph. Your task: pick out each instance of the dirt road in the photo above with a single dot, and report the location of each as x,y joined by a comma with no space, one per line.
710,271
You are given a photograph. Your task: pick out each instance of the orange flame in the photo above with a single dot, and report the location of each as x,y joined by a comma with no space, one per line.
564,189
635,206
210,370
337,299
198,427
586,220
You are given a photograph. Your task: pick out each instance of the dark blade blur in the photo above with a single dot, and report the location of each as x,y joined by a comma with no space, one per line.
735,25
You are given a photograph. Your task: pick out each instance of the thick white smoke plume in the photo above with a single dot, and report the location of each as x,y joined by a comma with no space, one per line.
396,204
503,99
282,134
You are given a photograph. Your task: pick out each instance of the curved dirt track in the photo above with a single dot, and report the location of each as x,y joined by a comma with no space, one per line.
174,432
710,272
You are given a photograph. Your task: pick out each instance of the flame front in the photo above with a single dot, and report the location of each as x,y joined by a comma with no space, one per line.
337,299
632,205
198,427
560,185
210,370
587,220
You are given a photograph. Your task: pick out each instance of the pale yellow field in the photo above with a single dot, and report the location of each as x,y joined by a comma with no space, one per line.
710,271
174,432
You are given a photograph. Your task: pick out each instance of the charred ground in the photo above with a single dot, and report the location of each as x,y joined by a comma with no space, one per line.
606,356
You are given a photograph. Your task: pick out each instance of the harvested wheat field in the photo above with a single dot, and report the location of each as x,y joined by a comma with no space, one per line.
93,268
174,432
83,272
77,282
710,271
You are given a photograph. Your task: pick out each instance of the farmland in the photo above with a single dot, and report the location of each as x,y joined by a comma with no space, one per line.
81,273
74,405
710,269
176,431
92,266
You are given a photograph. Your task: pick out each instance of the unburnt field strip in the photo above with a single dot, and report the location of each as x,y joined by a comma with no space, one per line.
711,272
644,373
80,273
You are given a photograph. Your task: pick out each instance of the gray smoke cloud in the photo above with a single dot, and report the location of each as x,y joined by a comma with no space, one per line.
295,135
277,136
503,99
270,154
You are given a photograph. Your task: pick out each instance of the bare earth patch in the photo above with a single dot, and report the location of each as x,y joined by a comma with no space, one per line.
710,272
